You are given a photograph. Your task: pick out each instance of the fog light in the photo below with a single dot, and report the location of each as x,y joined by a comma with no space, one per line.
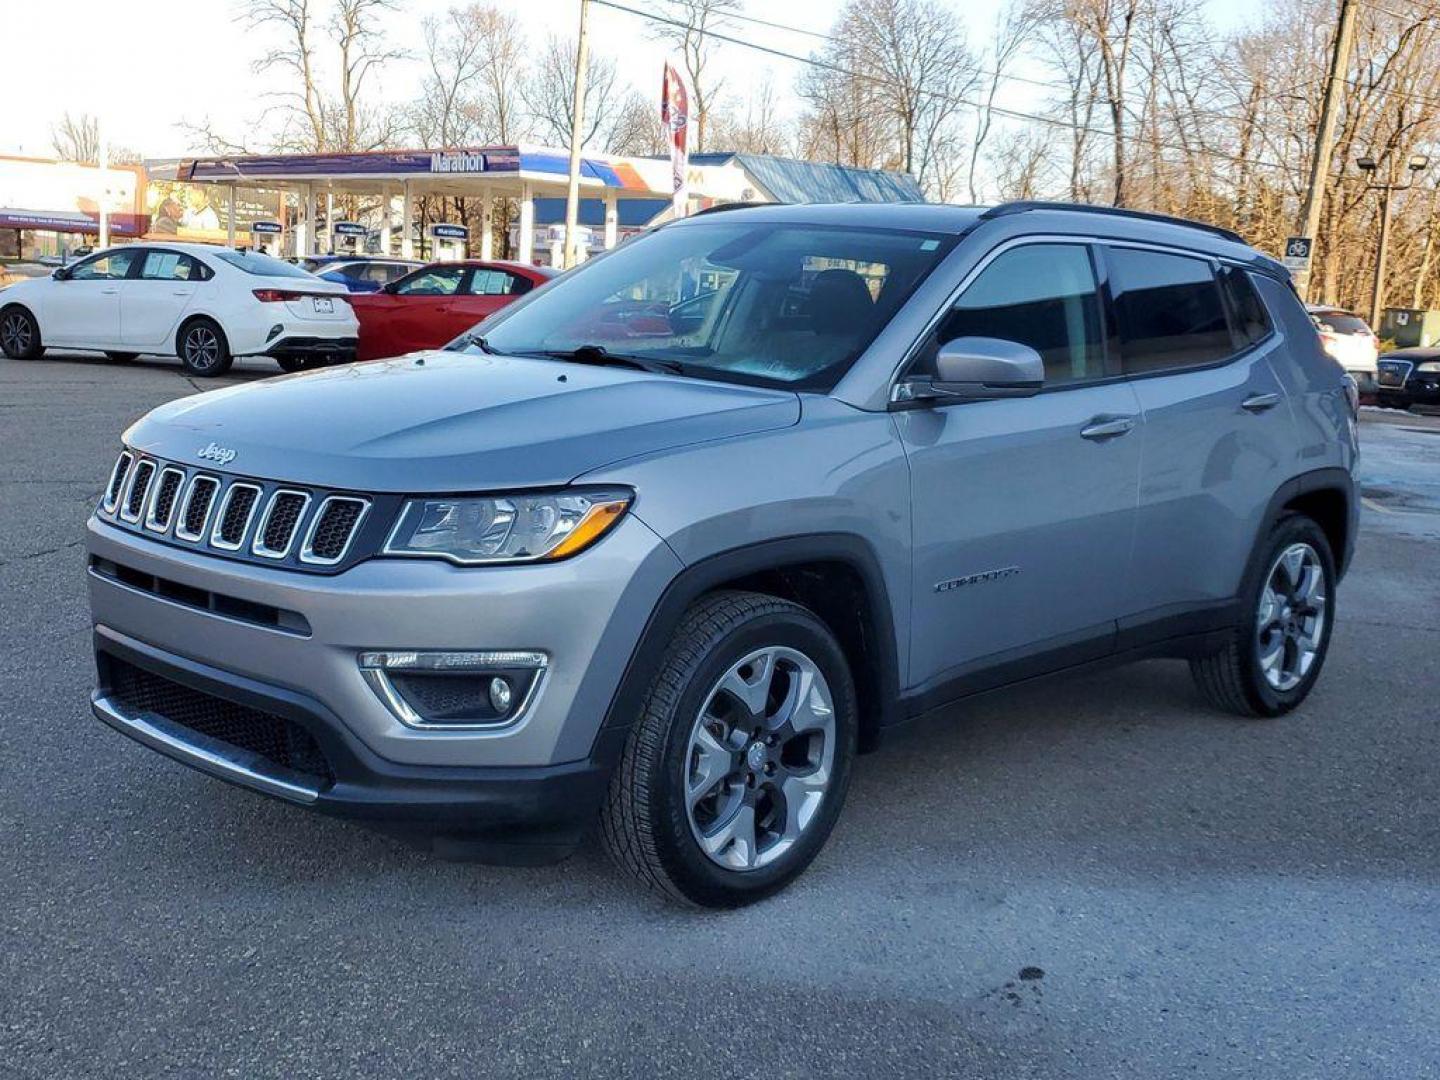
275,331
455,689
500,695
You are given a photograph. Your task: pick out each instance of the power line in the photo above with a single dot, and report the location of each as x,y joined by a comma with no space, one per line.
1014,114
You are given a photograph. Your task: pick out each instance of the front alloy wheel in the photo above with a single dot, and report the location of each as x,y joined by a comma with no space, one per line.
735,769
19,336
760,758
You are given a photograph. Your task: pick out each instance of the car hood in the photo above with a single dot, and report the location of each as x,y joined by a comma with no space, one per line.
438,421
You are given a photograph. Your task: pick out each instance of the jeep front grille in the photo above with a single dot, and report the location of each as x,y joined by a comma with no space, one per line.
254,520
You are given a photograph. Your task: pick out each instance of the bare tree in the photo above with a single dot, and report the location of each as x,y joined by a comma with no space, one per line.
77,138
1014,26
637,130
357,35
549,94
294,57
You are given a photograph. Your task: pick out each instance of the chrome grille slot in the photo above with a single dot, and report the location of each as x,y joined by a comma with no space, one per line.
195,511
117,481
135,493
232,520
167,493
276,532
332,529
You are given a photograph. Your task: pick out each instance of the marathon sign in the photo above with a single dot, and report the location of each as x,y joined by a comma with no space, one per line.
348,228
442,231
458,161
270,228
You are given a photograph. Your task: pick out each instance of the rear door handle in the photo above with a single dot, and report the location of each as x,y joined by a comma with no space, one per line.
1258,403
1107,427
108,292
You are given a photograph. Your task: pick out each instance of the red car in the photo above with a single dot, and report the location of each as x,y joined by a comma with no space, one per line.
437,303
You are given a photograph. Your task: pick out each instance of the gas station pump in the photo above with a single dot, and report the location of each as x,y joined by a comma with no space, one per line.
265,236
346,237
449,241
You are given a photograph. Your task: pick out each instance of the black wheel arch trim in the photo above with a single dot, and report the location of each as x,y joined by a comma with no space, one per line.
1333,479
716,570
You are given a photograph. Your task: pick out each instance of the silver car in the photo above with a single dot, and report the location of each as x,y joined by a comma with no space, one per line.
666,544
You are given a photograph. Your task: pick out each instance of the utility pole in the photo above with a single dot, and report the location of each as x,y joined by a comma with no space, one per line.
577,128
1325,137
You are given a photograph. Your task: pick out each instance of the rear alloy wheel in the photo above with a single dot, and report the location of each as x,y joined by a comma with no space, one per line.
203,350
1276,651
735,772
19,334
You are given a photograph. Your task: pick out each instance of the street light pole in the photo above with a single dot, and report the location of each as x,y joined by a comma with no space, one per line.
577,129
1368,165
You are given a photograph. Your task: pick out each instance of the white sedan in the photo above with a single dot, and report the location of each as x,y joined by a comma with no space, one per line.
202,303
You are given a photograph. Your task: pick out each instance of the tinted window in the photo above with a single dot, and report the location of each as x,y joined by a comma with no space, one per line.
1041,295
1340,322
252,262
439,282
171,266
1169,311
488,283
1252,321
107,267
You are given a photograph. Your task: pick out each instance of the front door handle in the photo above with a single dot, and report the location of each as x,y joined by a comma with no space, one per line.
1258,403
108,292
1107,427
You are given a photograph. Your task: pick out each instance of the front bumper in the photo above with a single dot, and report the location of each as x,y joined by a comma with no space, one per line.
1418,390
510,815
586,614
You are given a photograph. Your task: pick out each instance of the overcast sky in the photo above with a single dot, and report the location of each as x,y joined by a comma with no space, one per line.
146,65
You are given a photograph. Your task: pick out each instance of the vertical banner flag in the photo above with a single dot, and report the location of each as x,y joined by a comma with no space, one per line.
675,119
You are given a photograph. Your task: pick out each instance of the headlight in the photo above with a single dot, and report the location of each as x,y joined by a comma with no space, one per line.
537,526
1432,366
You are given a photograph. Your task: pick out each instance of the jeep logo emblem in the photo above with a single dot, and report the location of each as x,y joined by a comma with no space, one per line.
221,455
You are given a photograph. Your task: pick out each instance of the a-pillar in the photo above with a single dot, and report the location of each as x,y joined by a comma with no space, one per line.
407,223
612,219
487,224
527,224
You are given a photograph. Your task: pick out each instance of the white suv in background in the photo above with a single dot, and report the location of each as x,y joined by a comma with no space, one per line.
1350,342
202,303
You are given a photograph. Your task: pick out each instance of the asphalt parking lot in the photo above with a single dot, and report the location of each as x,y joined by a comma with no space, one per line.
1085,877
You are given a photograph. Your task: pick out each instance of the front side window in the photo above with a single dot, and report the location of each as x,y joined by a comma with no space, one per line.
1169,311
783,304
442,281
170,266
1040,295
110,266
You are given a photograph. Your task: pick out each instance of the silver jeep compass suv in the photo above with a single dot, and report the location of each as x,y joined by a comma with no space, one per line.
665,544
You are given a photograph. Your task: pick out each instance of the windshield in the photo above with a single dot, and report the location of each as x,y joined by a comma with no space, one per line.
776,304
1341,322
252,262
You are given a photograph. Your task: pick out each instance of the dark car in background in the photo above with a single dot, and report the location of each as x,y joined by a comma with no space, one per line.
435,304
1410,377
365,275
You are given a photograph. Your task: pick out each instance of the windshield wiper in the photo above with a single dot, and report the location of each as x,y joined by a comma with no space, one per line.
469,338
603,357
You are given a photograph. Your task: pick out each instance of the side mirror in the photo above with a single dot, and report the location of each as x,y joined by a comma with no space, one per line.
60,273
978,369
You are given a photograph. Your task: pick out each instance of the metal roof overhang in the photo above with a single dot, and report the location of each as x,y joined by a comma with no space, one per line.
458,171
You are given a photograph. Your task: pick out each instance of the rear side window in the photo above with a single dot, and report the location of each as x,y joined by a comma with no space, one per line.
1169,311
1043,296
1252,321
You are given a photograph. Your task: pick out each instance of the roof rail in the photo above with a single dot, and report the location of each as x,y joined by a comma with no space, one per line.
720,208
1023,206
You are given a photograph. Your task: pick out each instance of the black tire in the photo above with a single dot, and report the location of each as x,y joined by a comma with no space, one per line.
292,364
121,356
19,334
1232,678
645,823
202,348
